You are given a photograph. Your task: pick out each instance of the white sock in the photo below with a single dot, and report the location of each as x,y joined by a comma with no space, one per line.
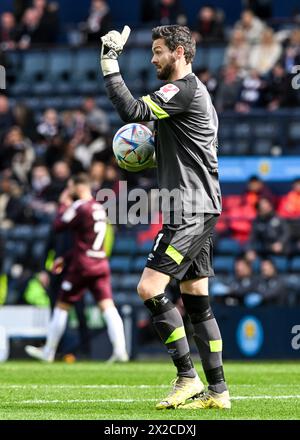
115,329
56,329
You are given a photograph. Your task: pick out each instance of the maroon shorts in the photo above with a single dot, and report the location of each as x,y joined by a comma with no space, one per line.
75,285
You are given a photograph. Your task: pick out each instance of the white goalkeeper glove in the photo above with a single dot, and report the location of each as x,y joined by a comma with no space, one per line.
112,46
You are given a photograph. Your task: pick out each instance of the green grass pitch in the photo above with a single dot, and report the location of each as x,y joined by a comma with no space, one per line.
95,390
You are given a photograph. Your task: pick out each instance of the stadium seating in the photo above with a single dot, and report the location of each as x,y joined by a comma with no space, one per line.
145,247
295,264
130,282
14,251
209,57
86,72
228,246
223,264
124,245
138,264
281,263
60,71
120,264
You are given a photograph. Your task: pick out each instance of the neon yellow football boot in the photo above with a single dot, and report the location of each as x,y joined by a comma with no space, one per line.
210,400
183,388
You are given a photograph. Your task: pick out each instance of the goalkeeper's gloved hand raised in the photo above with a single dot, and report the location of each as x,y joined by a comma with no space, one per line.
112,46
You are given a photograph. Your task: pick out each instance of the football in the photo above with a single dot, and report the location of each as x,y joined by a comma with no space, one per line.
133,147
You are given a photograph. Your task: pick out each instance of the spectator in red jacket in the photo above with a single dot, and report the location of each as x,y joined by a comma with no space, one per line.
256,189
239,211
289,209
289,206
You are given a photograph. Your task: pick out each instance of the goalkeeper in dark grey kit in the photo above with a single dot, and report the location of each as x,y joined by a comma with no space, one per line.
186,157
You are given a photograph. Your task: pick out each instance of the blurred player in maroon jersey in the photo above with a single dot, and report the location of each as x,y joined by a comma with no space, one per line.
87,267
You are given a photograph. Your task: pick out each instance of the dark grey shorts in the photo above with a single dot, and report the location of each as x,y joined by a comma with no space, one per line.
184,251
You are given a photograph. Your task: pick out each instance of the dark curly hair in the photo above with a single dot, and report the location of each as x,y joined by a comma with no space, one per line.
174,36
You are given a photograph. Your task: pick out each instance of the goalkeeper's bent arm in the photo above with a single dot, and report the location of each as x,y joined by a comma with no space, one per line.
129,108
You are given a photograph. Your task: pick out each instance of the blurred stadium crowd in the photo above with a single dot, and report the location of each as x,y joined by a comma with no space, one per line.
55,121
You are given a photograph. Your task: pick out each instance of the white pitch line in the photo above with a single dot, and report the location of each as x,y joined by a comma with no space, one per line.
114,386
293,396
32,386
42,401
39,401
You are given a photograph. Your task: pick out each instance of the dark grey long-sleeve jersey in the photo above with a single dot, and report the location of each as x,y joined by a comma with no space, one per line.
186,140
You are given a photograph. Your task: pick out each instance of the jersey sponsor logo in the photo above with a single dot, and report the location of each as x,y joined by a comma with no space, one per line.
167,92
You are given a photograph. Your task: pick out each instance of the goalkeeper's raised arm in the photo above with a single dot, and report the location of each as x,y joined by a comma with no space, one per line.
172,63
128,108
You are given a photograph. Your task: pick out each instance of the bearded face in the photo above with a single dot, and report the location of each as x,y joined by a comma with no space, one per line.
166,70
163,59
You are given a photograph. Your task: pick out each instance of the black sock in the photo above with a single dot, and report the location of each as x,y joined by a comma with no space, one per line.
208,339
169,326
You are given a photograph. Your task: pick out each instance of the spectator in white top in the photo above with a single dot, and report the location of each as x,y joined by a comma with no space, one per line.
264,55
49,126
251,25
18,153
238,51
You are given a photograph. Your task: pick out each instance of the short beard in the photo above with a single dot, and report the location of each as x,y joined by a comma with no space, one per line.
167,71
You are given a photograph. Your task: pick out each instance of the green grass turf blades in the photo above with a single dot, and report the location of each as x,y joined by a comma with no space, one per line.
90,390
